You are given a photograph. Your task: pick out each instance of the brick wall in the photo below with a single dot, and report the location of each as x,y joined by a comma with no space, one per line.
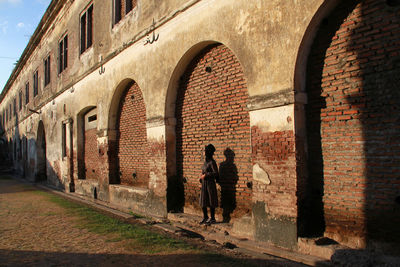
353,120
274,152
133,151
211,108
92,157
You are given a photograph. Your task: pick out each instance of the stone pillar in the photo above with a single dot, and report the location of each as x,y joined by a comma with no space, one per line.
274,168
157,136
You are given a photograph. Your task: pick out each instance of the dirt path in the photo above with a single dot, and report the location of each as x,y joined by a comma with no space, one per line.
37,232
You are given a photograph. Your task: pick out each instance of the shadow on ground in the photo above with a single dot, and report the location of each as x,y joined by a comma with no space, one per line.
39,258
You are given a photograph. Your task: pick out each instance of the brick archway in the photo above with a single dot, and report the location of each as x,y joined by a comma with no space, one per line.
129,151
351,123
211,108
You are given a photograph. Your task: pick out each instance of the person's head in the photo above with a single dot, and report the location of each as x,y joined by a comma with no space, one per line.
209,150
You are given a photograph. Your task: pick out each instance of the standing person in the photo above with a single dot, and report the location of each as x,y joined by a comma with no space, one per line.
209,176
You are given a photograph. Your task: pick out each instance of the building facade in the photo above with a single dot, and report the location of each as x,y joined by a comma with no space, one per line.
116,100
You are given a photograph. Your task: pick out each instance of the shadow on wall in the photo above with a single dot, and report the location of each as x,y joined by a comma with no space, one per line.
353,123
312,212
175,194
379,113
228,177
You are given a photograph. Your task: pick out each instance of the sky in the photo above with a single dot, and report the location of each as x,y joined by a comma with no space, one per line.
18,21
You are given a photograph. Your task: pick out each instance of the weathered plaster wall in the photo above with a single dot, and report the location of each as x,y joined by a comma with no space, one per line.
266,37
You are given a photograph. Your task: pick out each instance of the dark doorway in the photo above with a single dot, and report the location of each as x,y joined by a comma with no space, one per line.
41,174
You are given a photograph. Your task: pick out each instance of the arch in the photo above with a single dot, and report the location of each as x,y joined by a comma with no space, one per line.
208,97
308,38
348,89
180,68
41,159
305,222
128,157
115,102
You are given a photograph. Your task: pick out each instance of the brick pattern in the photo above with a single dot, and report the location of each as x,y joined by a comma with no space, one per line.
133,150
158,166
211,108
123,7
92,157
275,153
353,119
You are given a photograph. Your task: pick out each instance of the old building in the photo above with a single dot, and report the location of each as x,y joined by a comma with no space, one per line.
117,99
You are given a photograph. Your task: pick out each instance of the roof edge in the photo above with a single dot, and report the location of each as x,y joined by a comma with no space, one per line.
44,24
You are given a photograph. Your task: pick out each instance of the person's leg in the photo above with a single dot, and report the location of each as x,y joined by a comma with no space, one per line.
212,211
212,219
205,216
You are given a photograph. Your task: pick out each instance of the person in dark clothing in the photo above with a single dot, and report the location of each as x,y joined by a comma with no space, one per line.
208,178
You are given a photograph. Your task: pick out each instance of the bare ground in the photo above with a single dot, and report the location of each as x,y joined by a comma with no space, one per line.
37,232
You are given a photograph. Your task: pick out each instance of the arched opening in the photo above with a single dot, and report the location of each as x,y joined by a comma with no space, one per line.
351,79
88,156
210,107
41,160
128,146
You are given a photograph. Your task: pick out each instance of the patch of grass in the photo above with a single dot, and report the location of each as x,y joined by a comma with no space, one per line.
136,216
139,237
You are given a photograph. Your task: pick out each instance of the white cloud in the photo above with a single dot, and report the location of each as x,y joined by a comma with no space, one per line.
20,25
4,26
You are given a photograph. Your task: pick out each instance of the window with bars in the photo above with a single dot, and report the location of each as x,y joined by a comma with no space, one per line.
63,54
15,106
87,29
64,140
47,70
35,83
27,93
20,100
121,8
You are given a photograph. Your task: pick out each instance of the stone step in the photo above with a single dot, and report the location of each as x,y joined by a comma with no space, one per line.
193,222
322,247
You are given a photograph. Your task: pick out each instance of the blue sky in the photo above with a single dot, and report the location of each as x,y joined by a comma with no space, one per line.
18,21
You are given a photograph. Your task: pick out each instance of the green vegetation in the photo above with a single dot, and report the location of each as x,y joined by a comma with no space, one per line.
139,237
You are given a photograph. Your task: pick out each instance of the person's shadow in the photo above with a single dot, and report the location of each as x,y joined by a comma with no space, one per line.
228,177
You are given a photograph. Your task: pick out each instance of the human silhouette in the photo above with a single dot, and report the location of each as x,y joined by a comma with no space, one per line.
228,179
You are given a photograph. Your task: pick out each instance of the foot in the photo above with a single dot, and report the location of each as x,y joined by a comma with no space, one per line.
204,221
211,221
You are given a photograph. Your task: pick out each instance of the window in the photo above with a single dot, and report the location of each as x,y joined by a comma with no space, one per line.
47,71
64,140
128,6
20,100
63,54
120,10
35,83
87,29
27,93
15,106
10,113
